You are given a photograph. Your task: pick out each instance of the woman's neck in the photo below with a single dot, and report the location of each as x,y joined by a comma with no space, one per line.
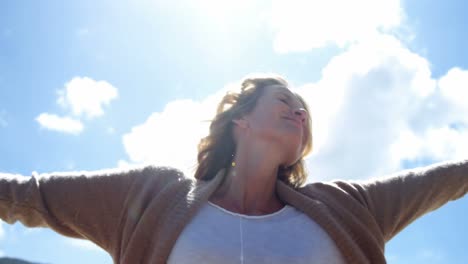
249,187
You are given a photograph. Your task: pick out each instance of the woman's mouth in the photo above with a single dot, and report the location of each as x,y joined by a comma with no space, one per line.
295,121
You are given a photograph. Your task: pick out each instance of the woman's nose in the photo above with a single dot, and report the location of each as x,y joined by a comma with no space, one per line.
300,114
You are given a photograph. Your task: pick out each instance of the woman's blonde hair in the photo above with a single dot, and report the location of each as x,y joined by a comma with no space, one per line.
216,151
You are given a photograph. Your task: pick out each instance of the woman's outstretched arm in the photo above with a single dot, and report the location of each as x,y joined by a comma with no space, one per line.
398,200
86,205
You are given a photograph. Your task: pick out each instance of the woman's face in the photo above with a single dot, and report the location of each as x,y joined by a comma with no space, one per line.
280,119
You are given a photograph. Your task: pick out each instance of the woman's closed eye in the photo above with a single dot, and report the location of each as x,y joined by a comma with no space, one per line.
287,102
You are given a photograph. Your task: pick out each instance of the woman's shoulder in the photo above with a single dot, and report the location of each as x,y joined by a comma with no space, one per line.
335,189
160,173
151,180
330,185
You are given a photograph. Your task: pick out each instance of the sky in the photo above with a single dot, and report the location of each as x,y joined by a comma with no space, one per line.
87,85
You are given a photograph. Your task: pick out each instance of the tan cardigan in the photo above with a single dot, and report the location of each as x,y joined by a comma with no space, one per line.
137,215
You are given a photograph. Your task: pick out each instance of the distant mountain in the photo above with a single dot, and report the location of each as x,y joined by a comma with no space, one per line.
15,261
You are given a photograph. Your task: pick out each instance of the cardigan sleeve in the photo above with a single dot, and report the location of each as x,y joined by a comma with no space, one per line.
85,205
399,199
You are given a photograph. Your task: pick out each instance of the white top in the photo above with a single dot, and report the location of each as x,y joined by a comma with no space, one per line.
216,235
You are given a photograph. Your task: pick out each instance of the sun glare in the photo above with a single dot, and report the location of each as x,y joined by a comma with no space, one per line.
223,10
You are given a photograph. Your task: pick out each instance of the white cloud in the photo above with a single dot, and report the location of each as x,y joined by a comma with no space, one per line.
82,244
376,106
302,25
61,124
454,86
86,97
170,138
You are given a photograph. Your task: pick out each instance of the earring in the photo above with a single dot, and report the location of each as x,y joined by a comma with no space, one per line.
233,163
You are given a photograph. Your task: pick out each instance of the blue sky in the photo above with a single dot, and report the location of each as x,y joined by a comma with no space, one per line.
86,85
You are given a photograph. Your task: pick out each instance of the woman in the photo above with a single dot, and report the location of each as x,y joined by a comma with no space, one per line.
248,203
